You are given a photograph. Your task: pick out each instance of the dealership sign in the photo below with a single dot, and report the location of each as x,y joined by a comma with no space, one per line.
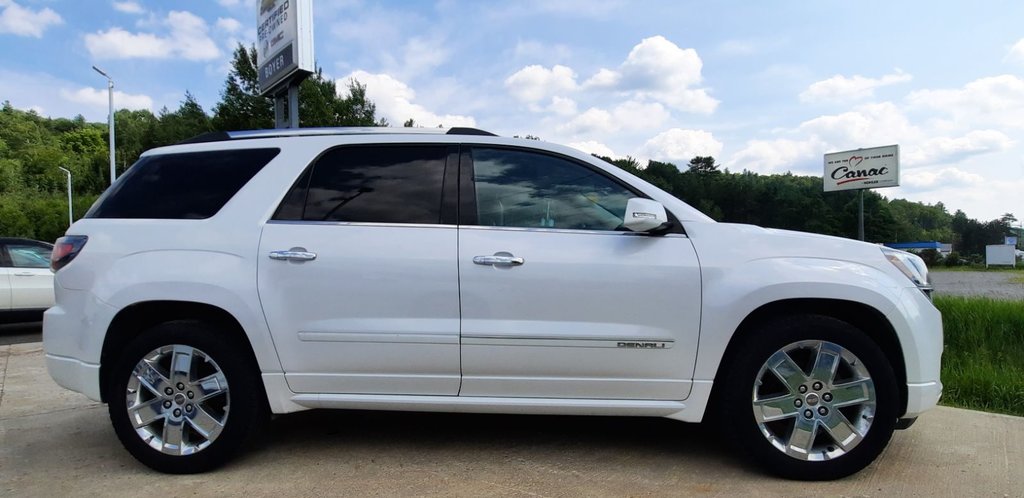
284,42
862,168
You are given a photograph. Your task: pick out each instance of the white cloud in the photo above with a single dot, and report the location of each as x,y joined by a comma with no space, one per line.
923,178
779,156
630,115
593,147
865,126
840,88
659,70
535,83
394,101
990,101
1016,53
228,3
679,146
562,106
95,97
951,150
420,55
129,7
23,21
188,38
229,24
531,49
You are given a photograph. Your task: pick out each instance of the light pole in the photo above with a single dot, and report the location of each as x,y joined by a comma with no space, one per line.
110,119
71,216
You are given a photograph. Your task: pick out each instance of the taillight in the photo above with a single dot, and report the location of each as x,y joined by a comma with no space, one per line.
65,250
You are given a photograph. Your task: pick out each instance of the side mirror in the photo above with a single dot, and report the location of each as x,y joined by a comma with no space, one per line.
644,215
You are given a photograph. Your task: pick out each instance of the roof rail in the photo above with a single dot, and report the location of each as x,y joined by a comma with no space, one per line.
220,136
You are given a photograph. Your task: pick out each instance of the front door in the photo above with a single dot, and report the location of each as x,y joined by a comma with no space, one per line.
358,277
557,300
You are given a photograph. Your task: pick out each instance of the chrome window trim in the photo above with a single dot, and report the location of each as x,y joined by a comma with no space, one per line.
566,230
360,224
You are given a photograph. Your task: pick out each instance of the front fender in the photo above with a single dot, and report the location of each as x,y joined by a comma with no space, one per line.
730,294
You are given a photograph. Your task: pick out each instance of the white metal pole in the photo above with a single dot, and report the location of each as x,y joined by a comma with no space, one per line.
110,121
71,215
110,95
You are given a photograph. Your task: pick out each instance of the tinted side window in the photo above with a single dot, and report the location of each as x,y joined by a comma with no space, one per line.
381,184
526,189
28,256
192,185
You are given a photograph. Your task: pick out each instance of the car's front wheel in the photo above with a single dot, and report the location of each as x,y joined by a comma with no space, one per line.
182,399
810,398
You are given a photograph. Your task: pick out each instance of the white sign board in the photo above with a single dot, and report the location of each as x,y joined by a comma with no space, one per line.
284,41
1001,254
862,168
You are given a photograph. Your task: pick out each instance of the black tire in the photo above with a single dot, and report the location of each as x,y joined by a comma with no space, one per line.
735,405
242,407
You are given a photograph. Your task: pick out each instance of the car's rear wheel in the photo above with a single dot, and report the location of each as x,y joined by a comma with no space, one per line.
810,398
182,399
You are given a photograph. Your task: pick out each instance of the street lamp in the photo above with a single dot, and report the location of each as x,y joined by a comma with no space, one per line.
71,217
110,119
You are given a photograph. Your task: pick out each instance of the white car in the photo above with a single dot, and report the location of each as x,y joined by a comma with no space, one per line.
248,273
26,282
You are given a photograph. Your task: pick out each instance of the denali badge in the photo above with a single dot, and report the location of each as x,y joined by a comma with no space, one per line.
642,345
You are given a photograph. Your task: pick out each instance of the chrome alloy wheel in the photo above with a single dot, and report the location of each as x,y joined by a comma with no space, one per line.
814,400
178,400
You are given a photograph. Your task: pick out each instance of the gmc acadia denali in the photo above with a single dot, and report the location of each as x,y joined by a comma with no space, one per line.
242,274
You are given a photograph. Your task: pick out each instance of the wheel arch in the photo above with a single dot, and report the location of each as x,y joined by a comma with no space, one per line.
866,318
136,318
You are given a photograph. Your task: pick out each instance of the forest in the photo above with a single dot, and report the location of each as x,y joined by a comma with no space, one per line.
33,199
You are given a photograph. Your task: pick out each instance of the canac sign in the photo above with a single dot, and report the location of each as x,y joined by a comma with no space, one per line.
862,168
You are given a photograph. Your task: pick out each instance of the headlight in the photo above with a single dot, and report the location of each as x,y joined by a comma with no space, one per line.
910,265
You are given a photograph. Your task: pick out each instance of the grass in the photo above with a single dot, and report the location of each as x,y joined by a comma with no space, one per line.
983,361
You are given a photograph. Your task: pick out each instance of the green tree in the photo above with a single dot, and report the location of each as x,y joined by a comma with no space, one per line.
703,165
242,107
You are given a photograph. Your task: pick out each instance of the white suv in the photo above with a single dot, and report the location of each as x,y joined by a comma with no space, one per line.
248,273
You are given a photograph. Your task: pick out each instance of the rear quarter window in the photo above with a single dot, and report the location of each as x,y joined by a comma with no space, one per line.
192,185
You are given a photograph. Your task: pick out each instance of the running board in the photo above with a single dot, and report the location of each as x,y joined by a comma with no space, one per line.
465,404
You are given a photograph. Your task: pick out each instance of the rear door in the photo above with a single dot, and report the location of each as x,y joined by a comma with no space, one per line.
559,301
358,275
29,274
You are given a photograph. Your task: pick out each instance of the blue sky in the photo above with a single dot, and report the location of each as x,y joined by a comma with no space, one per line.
764,86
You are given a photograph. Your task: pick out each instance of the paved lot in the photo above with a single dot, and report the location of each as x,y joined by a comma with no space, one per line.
57,443
999,285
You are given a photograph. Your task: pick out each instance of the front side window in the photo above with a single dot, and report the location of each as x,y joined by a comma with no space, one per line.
374,184
27,256
525,189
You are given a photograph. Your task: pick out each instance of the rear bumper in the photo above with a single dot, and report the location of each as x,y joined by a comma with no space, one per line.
74,374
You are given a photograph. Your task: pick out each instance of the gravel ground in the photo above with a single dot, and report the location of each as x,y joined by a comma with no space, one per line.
998,285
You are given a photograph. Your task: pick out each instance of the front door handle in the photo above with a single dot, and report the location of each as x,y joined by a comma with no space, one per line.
24,274
293,254
500,259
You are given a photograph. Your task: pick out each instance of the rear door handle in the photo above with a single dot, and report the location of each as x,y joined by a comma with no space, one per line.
498,260
293,254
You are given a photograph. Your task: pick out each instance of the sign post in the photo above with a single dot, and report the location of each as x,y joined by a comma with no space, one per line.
862,169
284,54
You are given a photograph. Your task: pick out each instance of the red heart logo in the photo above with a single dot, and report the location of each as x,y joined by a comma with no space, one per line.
855,160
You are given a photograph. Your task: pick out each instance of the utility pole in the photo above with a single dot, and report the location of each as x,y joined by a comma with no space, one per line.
110,119
71,215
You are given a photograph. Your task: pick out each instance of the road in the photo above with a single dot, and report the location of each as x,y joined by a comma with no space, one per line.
994,284
57,443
